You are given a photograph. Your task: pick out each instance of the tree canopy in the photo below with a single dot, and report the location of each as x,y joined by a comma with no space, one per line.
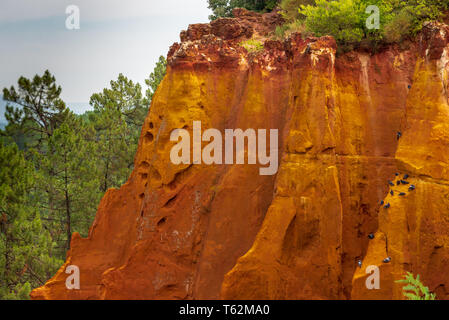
346,20
223,8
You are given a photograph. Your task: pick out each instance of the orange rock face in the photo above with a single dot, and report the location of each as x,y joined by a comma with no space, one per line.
224,231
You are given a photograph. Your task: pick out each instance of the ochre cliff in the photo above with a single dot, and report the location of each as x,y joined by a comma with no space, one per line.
225,231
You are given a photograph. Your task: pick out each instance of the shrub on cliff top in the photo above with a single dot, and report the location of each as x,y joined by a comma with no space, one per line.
289,9
340,19
287,29
223,8
398,27
345,20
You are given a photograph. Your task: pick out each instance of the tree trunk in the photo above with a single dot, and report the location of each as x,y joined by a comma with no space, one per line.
67,208
8,258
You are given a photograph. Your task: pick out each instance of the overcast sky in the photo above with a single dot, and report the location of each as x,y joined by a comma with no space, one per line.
115,36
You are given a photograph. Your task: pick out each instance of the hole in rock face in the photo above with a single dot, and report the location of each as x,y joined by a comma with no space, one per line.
155,174
161,222
161,117
149,137
144,176
178,179
151,125
144,165
142,195
175,183
171,202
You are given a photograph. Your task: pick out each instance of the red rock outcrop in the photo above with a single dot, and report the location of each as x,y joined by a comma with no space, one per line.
225,231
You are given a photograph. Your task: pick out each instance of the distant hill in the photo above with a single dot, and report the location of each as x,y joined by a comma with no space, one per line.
76,107
79,107
2,110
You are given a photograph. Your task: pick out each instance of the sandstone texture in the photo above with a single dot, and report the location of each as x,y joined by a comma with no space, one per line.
225,231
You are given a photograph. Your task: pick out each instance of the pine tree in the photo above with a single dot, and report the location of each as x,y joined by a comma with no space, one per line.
62,151
34,109
126,97
68,179
156,78
24,244
119,113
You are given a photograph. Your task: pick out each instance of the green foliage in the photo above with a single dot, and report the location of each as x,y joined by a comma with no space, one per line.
37,108
156,77
126,97
285,30
60,148
252,45
341,19
223,8
51,188
118,116
280,31
345,20
67,181
24,243
289,9
407,17
398,27
414,289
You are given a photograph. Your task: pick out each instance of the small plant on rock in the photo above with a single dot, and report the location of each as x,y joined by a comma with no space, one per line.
252,45
414,289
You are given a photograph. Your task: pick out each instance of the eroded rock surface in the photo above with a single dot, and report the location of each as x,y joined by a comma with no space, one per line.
225,231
